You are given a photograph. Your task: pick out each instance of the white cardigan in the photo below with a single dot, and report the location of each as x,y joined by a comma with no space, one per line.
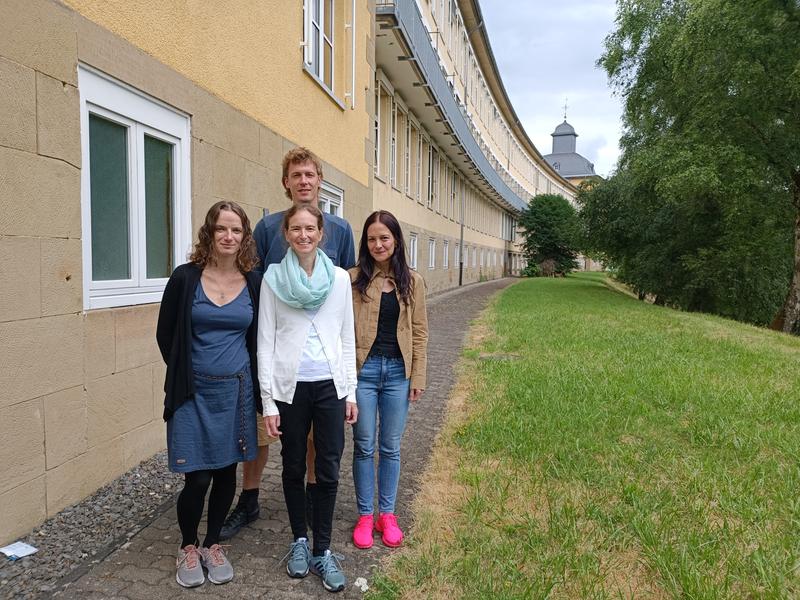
282,334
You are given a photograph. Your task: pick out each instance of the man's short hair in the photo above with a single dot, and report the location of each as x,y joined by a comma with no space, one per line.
296,156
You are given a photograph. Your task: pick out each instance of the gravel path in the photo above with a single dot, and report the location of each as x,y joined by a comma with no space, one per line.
122,541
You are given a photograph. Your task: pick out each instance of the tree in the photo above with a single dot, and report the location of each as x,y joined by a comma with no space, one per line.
550,228
709,177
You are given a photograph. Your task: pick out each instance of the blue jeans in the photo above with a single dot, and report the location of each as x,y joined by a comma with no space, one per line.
382,390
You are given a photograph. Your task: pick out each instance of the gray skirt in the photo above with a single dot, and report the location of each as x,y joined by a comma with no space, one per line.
215,429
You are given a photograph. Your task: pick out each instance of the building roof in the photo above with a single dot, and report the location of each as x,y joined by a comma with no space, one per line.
565,129
571,164
564,158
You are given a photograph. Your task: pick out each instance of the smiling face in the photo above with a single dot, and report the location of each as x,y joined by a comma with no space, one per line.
302,183
380,242
303,233
228,234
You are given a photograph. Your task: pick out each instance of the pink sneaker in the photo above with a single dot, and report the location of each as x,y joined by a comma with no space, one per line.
362,533
392,535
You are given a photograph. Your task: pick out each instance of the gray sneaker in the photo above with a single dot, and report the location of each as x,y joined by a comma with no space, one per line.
217,564
190,571
297,558
329,569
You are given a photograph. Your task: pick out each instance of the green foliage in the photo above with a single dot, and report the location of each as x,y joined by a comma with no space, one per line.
550,227
531,270
701,209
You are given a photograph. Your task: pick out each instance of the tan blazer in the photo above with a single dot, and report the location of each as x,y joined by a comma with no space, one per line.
412,325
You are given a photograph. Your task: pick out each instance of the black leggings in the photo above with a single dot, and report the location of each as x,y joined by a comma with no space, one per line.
193,497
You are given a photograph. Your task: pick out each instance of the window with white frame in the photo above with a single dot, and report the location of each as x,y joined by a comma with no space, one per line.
135,192
331,199
445,254
425,171
384,142
431,253
456,254
393,145
407,158
377,130
418,173
318,46
453,190
474,256
433,176
481,257
412,250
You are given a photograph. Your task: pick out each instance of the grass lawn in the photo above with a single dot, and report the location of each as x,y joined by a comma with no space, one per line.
600,447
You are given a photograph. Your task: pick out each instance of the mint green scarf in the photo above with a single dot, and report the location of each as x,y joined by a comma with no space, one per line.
294,287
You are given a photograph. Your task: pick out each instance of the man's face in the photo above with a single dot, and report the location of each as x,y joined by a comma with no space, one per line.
303,182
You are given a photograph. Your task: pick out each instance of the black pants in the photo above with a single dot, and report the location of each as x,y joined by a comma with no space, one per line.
314,402
193,497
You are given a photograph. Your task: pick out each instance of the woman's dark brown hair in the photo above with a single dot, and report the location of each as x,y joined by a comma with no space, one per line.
397,263
203,253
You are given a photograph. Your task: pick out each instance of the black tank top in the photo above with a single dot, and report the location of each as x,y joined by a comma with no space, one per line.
385,343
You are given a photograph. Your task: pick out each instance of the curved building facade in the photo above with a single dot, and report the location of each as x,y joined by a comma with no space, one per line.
121,123
449,150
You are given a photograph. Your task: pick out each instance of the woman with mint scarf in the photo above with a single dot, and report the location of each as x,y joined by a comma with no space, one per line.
307,373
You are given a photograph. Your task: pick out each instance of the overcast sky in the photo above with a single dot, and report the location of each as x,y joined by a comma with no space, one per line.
546,51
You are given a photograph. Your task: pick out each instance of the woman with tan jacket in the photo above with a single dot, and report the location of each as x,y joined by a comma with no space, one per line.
391,327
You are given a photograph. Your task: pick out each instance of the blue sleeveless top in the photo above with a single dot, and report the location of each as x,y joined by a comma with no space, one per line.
219,333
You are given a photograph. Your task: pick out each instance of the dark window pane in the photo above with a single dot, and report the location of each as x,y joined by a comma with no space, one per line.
158,206
108,175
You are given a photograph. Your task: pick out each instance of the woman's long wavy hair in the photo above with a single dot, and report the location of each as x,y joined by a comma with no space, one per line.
203,253
397,263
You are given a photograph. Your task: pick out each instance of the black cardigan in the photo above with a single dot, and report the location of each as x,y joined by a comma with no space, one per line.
174,335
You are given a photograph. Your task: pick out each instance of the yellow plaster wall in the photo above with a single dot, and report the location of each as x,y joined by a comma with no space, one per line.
248,53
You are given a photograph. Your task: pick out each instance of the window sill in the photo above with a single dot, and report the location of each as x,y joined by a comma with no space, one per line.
325,88
118,299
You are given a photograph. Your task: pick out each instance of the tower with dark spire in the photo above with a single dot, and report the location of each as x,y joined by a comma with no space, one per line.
565,158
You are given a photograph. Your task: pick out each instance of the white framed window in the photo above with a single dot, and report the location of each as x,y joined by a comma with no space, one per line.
454,183
445,254
384,141
431,253
407,158
393,145
377,129
318,43
418,167
412,250
482,258
331,199
433,176
135,192
456,254
474,256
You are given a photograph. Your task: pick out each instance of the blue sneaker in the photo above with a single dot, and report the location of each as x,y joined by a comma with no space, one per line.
328,567
297,558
